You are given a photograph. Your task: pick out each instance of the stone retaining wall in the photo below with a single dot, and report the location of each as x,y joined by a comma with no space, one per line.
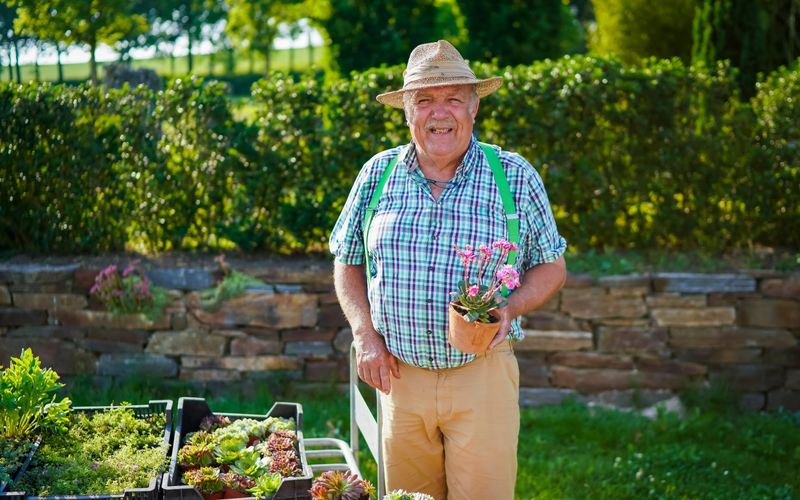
611,339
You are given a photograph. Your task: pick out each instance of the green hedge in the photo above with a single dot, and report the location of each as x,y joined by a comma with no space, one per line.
655,156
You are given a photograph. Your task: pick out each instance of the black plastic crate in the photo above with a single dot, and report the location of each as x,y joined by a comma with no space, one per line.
191,411
152,491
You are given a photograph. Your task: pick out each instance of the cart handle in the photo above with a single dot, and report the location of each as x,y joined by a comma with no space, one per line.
362,421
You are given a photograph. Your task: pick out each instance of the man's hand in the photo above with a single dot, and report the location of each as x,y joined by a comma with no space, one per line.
505,326
375,363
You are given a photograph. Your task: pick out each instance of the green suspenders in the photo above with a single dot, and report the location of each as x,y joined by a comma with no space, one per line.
512,218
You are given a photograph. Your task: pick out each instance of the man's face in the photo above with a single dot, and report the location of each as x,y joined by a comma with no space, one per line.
441,120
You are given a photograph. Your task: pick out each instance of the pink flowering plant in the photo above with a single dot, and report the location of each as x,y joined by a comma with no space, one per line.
129,291
479,294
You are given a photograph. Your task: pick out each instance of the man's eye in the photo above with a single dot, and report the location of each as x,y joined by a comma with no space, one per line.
423,101
455,100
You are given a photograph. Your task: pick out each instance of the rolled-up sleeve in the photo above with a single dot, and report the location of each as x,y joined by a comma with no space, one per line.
346,242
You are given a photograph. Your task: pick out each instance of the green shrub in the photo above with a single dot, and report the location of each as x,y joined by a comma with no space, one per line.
655,156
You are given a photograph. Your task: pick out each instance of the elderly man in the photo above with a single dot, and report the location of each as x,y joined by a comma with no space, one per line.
451,419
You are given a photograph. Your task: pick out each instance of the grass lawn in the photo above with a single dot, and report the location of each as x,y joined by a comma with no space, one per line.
202,63
572,451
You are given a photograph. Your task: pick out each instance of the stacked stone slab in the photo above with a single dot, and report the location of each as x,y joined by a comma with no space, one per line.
615,340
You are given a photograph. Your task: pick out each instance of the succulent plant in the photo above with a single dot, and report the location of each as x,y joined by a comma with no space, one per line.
214,422
405,495
205,479
285,463
196,455
266,485
338,485
236,481
277,423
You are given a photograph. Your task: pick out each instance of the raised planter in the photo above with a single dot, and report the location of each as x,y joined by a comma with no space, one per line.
21,470
152,491
191,411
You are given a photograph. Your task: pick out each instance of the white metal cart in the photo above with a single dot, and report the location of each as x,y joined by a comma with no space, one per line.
362,422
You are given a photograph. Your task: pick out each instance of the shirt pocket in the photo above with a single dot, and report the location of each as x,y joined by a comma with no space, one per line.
477,225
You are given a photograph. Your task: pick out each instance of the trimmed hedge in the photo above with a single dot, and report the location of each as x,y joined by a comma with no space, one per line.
655,156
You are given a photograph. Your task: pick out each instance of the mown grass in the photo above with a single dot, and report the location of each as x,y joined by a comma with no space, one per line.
202,65
569,451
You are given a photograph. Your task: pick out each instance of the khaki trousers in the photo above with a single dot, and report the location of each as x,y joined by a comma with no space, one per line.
453,433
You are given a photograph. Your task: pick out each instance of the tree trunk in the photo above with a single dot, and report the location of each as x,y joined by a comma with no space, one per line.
189,55
252,61
211,63
93,63
16,60
37,74
10,65
58,63
310,50
231,62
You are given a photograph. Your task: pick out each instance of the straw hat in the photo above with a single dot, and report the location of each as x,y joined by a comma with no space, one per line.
435,65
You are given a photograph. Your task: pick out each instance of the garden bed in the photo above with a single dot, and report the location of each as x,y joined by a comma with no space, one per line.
192,412
52,458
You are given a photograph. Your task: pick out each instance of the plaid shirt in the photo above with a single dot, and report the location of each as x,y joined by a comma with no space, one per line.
415,266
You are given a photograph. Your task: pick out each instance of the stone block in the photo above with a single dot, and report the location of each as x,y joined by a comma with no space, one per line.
254,346
752,401
313,349
730,337
35,273
720,356
577,280
264,310
793,379
579,359
303,271
10,316
595,305
531,397
776,313
591,380
541,320
703,283
51,302
321,371
675,301
328,298
260,363
708,316
630,398
84,278
105,319
788,357
262,333
187,342
619,322
108,346
210,375
626,281
783,398
629,292
137,337
331,316
181,278
46,332
729,299
178,321
61,356
130,364
788,287
308,334
555,340
749,378
343,340
660,380
672,366
5,296
533,371
200,362
284,288
631,339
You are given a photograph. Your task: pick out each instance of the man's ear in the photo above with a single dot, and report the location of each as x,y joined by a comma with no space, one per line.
475,110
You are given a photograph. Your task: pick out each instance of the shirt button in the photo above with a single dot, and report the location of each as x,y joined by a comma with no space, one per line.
429,332
429,301
430,359
430,268
434,237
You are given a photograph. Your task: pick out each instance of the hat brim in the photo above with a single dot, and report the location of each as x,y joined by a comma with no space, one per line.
482,87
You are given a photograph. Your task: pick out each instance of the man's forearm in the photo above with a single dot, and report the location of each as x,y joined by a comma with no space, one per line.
351,290
538,286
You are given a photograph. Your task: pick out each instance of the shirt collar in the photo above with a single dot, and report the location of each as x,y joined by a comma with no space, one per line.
408,158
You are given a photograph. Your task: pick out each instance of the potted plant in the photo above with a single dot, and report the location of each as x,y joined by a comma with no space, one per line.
405,495
206,480
472,324
338,485
129,291
236,485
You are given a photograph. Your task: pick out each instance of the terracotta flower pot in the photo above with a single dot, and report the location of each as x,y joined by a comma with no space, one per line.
470,338
212,496
231,493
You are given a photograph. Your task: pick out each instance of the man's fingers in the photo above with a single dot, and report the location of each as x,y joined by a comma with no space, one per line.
385,380
394,367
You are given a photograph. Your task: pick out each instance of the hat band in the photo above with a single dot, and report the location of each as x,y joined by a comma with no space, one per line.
447,69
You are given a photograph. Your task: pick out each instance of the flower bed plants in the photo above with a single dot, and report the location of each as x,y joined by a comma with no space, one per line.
108,452
237,455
